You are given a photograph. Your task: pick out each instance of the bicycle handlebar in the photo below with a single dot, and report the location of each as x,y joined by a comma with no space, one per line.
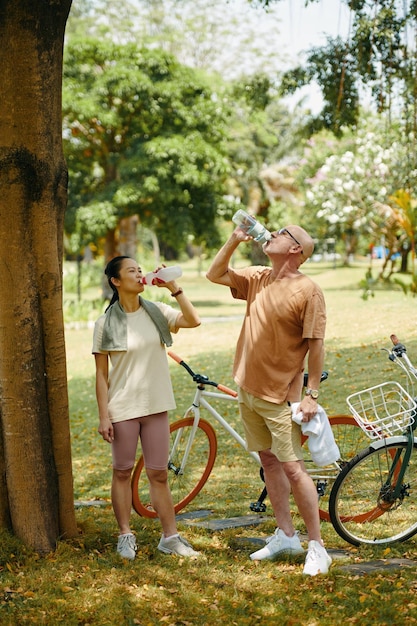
398,348
204,380
201,379
398,354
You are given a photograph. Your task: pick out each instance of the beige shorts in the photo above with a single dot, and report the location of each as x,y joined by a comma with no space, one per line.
269,426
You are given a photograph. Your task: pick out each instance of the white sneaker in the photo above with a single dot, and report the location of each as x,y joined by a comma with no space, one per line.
278,545
126,546
317,559
176,545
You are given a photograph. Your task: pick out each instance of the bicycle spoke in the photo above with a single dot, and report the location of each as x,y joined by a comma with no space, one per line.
362,506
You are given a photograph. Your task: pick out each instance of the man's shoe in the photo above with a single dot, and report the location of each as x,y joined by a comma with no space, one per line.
126,546
277,546
176,545
317,559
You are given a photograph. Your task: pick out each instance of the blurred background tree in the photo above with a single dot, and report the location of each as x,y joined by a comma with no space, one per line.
253,149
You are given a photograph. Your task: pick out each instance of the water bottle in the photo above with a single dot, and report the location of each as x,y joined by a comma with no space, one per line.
251,226
164,275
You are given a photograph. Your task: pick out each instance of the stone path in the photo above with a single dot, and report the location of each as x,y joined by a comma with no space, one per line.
366,567
198,519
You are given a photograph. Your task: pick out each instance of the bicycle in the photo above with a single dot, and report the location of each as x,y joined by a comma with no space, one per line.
374,498
194,448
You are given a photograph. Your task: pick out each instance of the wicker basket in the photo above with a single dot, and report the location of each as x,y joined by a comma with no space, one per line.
383,410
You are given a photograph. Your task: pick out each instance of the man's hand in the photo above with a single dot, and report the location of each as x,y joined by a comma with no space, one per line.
308,407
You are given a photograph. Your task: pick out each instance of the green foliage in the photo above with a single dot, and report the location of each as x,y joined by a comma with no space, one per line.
194,148
367,285
85,276
346,181
408,286
142,135
377,57
255,90
332,67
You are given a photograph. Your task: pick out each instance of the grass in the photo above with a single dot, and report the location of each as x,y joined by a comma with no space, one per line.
84,582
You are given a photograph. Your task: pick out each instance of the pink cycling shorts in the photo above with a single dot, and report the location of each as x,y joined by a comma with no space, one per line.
153,431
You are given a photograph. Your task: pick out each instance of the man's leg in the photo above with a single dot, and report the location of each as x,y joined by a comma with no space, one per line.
285,541
305,496
279,489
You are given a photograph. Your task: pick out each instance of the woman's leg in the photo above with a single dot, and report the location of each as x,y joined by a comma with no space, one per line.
124,448
121,496
162,500
155,440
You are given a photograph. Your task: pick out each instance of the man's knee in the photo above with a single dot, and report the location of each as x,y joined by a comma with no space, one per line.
268,459
293,470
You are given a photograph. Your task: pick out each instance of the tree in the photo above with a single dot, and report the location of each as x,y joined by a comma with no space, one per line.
346,181
228,38
36,493
378,58
143,136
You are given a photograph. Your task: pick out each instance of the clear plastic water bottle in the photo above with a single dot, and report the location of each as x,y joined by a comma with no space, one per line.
251,226
164,275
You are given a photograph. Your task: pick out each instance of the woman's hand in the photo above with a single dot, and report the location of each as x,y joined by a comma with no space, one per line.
106,430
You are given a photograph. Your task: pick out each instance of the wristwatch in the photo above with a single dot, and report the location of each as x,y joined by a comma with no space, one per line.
314,393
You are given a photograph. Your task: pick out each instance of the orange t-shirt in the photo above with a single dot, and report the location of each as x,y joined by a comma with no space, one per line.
281,315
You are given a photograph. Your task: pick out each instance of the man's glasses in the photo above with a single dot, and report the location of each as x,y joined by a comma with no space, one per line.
285,231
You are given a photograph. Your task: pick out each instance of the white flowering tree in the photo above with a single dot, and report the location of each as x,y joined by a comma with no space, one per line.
348,188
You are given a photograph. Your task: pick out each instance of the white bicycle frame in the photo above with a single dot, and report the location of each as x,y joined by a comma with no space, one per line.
200,401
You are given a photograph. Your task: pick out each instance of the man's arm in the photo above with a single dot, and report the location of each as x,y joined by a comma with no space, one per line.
218,271
315,363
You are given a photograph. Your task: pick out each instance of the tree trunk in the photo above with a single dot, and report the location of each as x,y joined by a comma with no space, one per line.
128,240
36,487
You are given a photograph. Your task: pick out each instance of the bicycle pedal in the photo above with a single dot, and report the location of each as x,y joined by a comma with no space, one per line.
258,507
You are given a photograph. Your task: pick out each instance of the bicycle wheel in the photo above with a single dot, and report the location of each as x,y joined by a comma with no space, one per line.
350,438
186,484
360,506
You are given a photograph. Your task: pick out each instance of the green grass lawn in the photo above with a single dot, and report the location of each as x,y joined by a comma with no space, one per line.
84,582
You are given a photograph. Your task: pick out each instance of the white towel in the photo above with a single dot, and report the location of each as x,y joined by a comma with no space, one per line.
321,442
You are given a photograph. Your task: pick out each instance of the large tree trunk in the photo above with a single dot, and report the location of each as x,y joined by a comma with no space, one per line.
36,487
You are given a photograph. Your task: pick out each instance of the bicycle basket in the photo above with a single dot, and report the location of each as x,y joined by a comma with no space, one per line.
383,410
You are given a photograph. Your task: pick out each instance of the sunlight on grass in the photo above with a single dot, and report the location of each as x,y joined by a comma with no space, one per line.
84,582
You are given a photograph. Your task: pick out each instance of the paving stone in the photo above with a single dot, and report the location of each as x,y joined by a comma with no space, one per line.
338,554
193,515
379,565
254,520
97,503
230,522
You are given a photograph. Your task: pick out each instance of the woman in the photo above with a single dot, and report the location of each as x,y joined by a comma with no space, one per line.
134,397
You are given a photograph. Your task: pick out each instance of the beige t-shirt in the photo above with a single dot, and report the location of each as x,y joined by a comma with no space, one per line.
281,315
139,380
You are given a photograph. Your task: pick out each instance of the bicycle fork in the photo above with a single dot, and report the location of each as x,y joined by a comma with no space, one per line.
393,489
179,470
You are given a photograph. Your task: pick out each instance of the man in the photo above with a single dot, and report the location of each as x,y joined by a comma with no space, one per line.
283,326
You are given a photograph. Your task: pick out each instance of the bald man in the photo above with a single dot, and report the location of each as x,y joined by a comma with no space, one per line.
283,329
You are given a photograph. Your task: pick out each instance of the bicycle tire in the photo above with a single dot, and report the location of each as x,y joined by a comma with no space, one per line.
358,513
186,486
350,438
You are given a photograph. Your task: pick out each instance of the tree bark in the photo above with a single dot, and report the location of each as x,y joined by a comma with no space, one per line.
36,487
